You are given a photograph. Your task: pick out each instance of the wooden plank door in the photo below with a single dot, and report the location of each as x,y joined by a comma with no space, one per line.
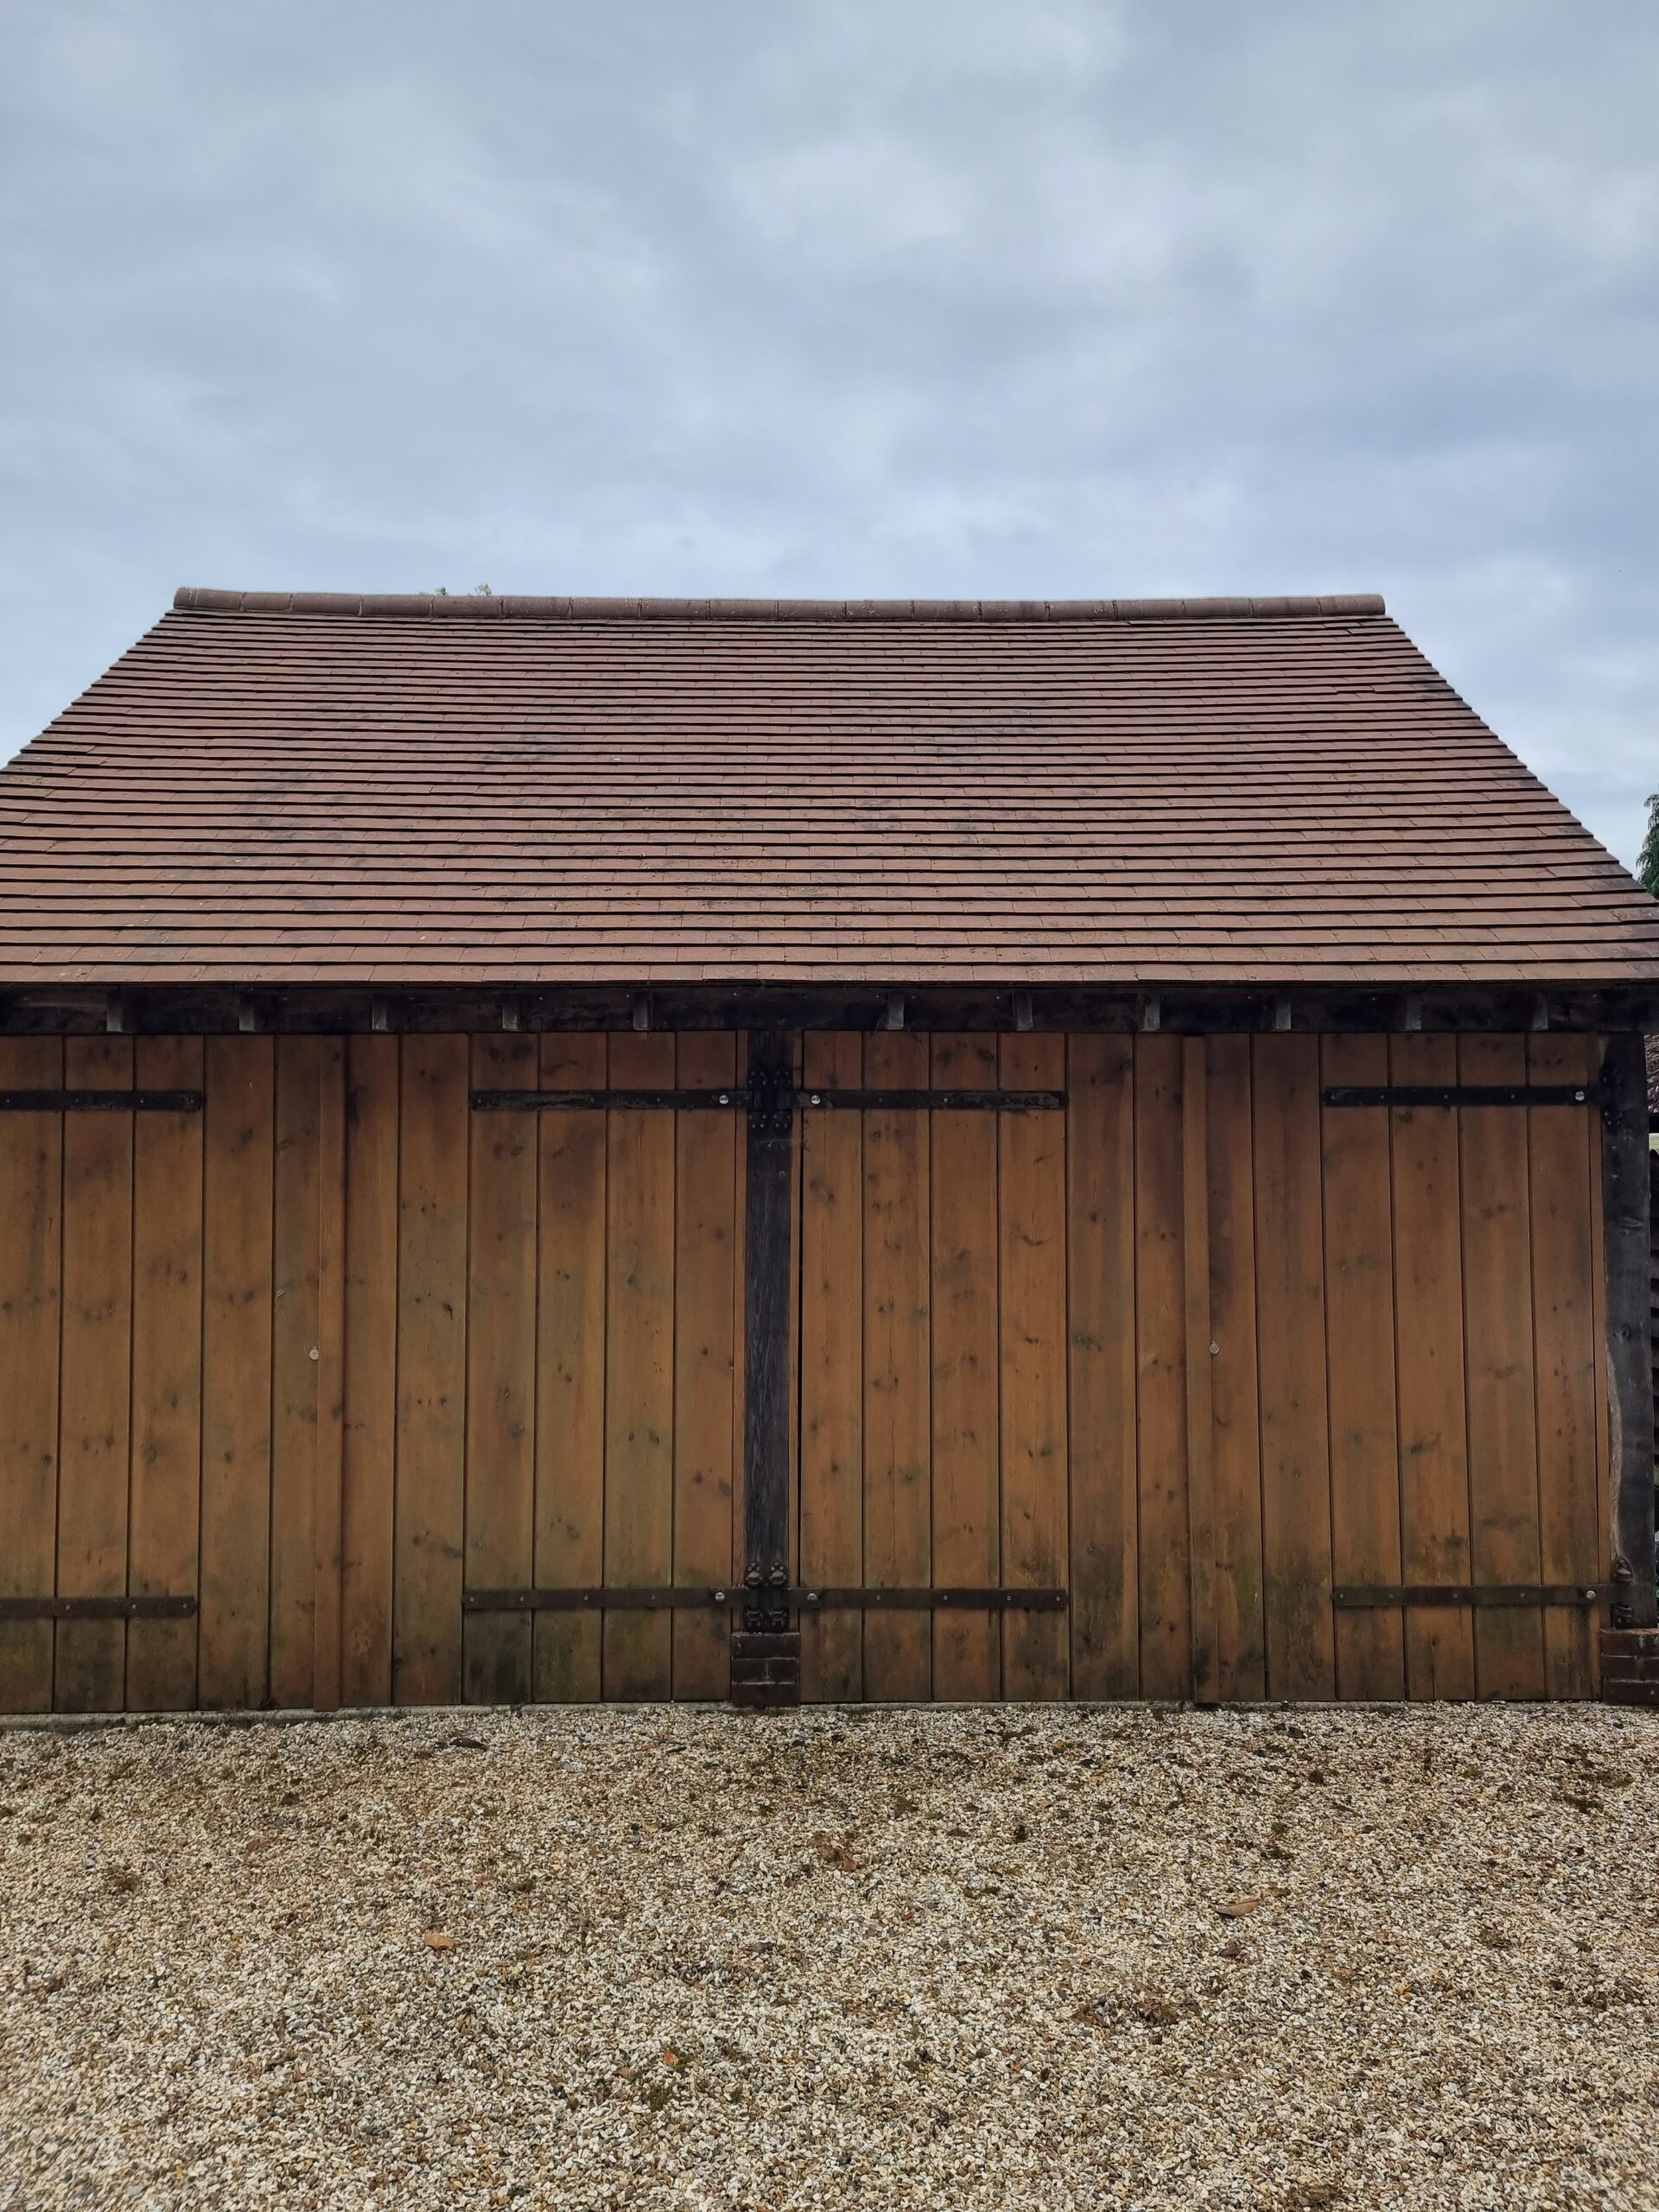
934,1368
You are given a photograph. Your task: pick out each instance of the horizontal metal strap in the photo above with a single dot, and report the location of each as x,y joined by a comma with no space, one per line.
740,1099
1359,1598
809,1599
95,1609
100,1101
1467,1094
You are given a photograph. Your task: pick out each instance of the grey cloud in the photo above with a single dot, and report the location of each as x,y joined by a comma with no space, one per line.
874,296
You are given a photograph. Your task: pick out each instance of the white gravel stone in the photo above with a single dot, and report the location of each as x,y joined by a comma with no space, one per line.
957,1957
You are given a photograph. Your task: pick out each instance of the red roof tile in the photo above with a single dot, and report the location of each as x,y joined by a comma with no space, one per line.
313,788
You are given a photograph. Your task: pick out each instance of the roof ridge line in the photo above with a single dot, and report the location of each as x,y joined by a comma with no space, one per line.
193,599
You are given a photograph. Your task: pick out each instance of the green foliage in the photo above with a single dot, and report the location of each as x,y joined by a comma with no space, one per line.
1647,863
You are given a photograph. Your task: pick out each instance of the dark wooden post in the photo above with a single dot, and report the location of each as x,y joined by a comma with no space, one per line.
765,1651
1625,1210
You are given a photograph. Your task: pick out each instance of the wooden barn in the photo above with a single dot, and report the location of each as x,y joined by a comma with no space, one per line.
559,1150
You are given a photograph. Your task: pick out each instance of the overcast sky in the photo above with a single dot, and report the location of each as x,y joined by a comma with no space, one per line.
985,297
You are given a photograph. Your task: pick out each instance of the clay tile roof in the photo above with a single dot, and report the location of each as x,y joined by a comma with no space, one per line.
311,788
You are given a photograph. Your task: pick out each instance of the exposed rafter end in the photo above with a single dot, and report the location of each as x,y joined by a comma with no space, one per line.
1281,1011
510,1015
1151,1014
247,1016
1022,1009
639,1010
1411,1014
115,1014
894,1016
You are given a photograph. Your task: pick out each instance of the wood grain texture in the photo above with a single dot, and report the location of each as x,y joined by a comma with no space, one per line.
369,1443
240,1148
295,1359
1234,1410
639,1368
31,1282
963,1302
501,1227
1291,1359
329,1559
1503,1530
1160,1371
1431,1394
1200,1437
90,1668
431,1372
570,1369
1359,1287
1100,1305
832,1512
1627,1324
897,1422
705,1431
164,1543
1561,1158
1036,1474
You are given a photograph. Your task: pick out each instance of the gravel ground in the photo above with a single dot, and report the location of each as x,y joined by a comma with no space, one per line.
964,1957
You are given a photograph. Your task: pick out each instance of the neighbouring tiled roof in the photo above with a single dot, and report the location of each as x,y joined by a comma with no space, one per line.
314,788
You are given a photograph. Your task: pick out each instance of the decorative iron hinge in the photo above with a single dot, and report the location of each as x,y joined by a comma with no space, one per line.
1465,1094
100,1101
770,1093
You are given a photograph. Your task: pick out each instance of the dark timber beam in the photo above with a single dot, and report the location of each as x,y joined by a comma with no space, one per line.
1185,1009
1630,1371
766,1652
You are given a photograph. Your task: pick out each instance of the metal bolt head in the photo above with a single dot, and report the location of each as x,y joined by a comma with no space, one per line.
1215,1348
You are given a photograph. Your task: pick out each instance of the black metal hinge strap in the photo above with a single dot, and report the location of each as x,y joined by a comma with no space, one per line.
95,1609
1363,1598
100,1101
662,1599
1467,1094
783,1098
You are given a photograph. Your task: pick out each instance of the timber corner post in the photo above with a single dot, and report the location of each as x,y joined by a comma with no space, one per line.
1630,1670
765,1651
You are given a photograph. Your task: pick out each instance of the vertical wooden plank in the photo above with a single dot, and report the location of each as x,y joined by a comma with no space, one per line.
1562,1162
1036,1472
369,1445
1603,1362
898,1537
239,1145
31,1261
1627,1321
1234,1412
327,1564
501,1373
639,1368
90,1669
705,1434
1200,1441
1290,1340
431,1372
1503,1403
832,1515
1100,1264
570,1369
966,1390
1431,1394
1359,1336
165,1541
770,1297
1160,1370
297,1356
